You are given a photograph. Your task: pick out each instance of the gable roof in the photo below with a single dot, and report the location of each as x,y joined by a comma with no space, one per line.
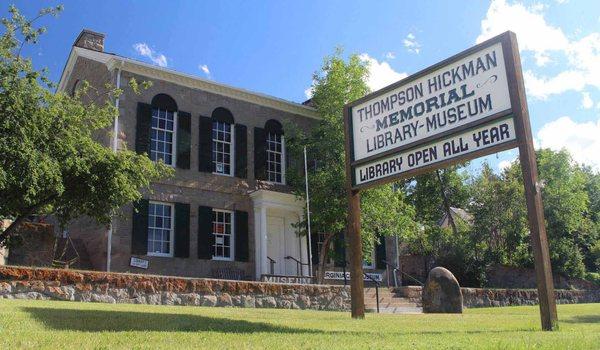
113,61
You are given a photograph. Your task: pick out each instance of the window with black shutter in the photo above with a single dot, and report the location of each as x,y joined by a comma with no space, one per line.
380,254
182,230
139,234
184,139
142,128
205,145
241,235
206,239
260,154
241,151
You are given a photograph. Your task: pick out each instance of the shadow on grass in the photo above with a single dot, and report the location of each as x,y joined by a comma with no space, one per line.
582,319
120,321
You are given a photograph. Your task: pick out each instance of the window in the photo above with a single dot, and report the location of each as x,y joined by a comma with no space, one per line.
369,263
275,147
160,229
221,147
162,135
222,230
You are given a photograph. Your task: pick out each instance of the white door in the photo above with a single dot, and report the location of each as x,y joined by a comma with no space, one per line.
276,244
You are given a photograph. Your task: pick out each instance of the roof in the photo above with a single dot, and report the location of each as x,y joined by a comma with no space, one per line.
457,213
113,61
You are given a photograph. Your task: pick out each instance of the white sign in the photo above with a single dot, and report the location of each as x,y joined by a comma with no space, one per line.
137,262
459,93
339,275
286,279
492,134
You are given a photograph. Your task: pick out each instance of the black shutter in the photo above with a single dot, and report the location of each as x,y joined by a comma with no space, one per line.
206,239
184,139
205,145
314,244
260,154
380,254
139,234
241,151
142,129
182,230
241,235
340,251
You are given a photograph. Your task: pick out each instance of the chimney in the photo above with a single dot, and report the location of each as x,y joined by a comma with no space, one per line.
90,40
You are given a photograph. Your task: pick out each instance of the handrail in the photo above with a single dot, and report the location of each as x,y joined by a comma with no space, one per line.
394,269
403,273
272,264
377,284
299,265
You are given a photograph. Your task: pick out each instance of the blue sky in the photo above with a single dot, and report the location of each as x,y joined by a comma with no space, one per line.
273,47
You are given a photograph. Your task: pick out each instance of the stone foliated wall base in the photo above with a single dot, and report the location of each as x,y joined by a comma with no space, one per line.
487,297
73,285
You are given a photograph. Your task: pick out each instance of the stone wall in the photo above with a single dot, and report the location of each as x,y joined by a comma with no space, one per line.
488,297
500,276
76,285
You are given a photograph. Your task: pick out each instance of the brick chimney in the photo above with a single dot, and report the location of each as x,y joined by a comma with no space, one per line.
90,40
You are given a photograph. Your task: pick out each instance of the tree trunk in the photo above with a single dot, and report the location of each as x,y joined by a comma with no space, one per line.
323,256
12,229
446,203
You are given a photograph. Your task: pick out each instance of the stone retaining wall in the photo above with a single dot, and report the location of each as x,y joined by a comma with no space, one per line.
74,285
487,297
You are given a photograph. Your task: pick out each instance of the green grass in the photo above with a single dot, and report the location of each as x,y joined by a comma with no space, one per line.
58,325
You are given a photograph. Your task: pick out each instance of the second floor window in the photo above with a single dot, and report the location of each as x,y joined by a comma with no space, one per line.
275,157
221,147
162,135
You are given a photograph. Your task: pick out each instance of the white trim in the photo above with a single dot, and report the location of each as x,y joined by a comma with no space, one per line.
171,239
231,240
151,71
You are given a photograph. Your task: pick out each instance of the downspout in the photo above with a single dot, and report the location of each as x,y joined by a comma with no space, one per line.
115,142
310,252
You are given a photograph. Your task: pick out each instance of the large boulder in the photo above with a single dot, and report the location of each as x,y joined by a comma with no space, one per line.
441,293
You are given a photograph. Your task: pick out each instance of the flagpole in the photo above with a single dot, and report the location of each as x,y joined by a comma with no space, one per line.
310,266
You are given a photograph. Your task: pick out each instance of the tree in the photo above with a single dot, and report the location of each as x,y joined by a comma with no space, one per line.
384,211
50,161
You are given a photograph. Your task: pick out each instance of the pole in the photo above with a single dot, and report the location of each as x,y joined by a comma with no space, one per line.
310,266
357,284
533,194
115,146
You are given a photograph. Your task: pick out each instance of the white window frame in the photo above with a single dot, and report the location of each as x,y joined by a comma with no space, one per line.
282,160
231,239
172,236
174,139
231,150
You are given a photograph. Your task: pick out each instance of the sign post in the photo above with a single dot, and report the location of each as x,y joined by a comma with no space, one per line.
467,106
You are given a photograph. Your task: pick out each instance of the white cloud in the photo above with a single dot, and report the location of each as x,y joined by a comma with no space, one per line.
580,139
390,55
411,44
586,101
543,40
309,92
156,58
380,73
504,164
204,69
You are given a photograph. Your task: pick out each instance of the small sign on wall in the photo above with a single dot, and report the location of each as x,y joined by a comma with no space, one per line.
339,275
137,262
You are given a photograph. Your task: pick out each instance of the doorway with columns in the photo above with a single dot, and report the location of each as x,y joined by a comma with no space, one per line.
279,250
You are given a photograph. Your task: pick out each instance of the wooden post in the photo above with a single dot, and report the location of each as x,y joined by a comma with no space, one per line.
533,194
357,284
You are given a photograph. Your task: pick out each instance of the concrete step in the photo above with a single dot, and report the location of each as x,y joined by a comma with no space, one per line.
390,302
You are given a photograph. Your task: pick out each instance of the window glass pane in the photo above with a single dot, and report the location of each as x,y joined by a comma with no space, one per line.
221,150
161,136
159,228
223,235
274,158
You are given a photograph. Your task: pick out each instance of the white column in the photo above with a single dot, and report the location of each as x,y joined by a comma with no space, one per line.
258,253
263,243
304,253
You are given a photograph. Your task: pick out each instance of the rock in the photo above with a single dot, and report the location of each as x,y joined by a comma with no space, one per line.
103,298
269,302
5,288
224,300
209,300
441,293
248,301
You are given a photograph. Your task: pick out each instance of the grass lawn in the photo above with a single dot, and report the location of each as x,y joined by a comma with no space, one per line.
58,325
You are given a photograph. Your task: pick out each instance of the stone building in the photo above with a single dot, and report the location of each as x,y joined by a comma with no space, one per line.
227,211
